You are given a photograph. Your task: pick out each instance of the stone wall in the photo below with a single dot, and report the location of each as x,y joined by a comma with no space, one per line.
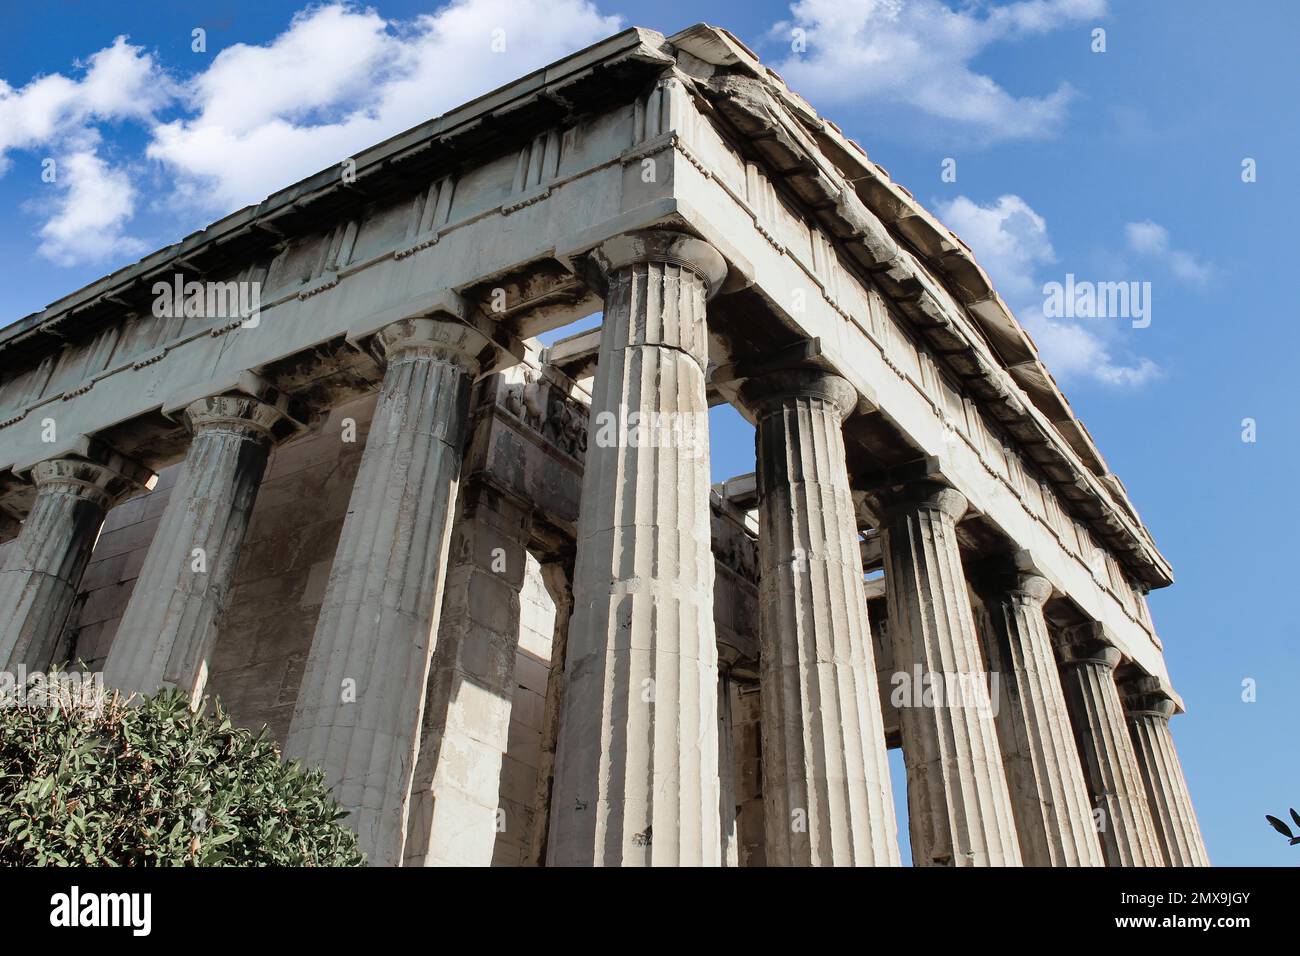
263,639
114,565
523,753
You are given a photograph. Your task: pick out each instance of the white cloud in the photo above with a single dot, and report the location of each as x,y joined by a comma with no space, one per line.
120,82
1011,241
88,222
340,79
917,55
1072,352
1151,240
325,57
58,117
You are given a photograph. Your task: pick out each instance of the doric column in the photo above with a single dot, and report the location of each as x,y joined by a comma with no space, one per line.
167,634
826,774
1048,795
360,706
43,566
1148,706
636,778
455,795
1087,668
958,803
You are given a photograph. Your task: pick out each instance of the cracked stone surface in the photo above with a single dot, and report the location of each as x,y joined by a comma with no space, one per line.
359,709
167,635
826,785
1128,836
1048,794
43,566
1148,709
636,778
454,793
959,806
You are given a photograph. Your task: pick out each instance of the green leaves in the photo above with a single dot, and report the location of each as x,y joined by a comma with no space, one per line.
156,784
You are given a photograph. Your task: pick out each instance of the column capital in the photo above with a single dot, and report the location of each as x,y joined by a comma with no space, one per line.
1012,577
1088,643
663,246
105,481
769,388
1148,696
270,420
440,337
1030,588
925,496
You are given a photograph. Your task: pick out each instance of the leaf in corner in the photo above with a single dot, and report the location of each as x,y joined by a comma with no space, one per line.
1279,826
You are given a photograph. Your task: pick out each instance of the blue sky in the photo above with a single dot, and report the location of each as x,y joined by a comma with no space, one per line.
1122,165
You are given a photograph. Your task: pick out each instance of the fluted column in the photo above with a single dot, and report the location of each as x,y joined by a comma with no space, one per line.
455,795
827,796
360,705
43,566
1048,795
167,634
1148,707
637,766
958,802
1087,668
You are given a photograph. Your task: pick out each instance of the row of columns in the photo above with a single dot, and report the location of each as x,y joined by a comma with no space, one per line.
407,714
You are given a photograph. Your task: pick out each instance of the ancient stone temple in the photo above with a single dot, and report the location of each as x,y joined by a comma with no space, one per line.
487,585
